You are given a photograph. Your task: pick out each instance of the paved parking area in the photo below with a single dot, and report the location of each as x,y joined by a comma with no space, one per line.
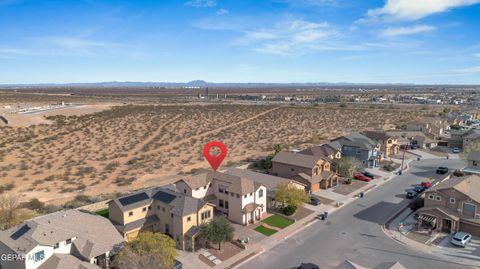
471,251
345,189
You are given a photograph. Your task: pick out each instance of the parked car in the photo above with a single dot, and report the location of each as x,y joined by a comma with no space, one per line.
177,265
419,188
456,150
314,201
308,266
426,184
442,170
362,178
368,174
458,173
461,239
411,194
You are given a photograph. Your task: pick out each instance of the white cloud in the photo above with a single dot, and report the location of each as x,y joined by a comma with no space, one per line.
201,3
7,53
409,30
222,11
416,9
476,55
313,3
468,70
288,37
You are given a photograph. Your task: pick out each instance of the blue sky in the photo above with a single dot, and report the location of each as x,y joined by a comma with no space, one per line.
391,41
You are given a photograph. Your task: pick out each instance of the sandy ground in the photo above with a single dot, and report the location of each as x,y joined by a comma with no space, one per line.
131,147
23,120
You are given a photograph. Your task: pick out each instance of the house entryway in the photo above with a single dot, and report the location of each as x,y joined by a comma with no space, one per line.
446,225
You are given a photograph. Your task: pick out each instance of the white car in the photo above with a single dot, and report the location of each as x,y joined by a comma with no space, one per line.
456,150
461,239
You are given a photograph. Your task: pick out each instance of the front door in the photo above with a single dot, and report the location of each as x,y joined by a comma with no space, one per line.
446,226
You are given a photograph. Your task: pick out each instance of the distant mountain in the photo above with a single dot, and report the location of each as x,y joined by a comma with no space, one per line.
203,84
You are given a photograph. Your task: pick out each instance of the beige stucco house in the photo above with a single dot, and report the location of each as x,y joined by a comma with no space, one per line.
453,205
323,151
473,160
312,171
241,199
161,210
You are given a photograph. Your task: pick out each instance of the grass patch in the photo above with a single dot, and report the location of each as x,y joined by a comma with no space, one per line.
261,229
277,221
104,213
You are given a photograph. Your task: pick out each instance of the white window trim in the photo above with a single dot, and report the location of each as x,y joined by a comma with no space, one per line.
431,197
438,198
452,200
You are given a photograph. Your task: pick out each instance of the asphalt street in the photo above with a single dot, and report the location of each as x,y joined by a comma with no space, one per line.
354,231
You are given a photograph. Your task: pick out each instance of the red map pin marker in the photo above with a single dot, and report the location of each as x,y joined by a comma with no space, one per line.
215,161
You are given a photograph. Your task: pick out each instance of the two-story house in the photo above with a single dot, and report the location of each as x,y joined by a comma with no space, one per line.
461,138
312,171
65,239
161,210
453,205
242,200
388,144
359,146
323,151
473,160
269,181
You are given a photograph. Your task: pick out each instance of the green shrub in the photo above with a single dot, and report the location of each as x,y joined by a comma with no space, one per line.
289,210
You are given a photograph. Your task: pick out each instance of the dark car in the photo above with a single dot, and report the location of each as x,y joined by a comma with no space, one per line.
419,188
308,266
411,194
177,265
315,201
442,170
368,174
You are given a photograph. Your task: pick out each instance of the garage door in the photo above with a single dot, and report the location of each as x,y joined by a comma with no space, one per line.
470,228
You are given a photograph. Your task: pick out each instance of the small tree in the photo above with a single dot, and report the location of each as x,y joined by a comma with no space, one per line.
347,166
288,195
148,250
277,148
218,230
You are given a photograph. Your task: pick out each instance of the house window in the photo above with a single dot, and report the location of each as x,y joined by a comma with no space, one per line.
438,198
226,204
171,215
204,187
238,196
251,194
189,219
232,194
158,207
292,169
220,202
226,191
69,241
220,188
196,189
430,197
260,193
205,215
130,213
144,209
163,209
469,210
245,196
452,200
474,163
57,245
184,191
39,256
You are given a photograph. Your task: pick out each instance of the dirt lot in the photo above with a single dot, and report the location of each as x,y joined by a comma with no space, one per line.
133,146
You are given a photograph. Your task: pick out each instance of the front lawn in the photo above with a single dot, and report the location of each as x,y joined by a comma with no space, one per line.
103,213
277,221
263,230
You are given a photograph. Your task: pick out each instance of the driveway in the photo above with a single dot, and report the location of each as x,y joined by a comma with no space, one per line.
470,252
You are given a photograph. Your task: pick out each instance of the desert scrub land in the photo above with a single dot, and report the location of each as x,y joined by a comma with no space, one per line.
134,146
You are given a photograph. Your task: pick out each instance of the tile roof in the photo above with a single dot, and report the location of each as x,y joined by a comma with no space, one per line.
377,135
468,185
65,261
249,208
94,234
356,140
269,181
324,150
301,160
